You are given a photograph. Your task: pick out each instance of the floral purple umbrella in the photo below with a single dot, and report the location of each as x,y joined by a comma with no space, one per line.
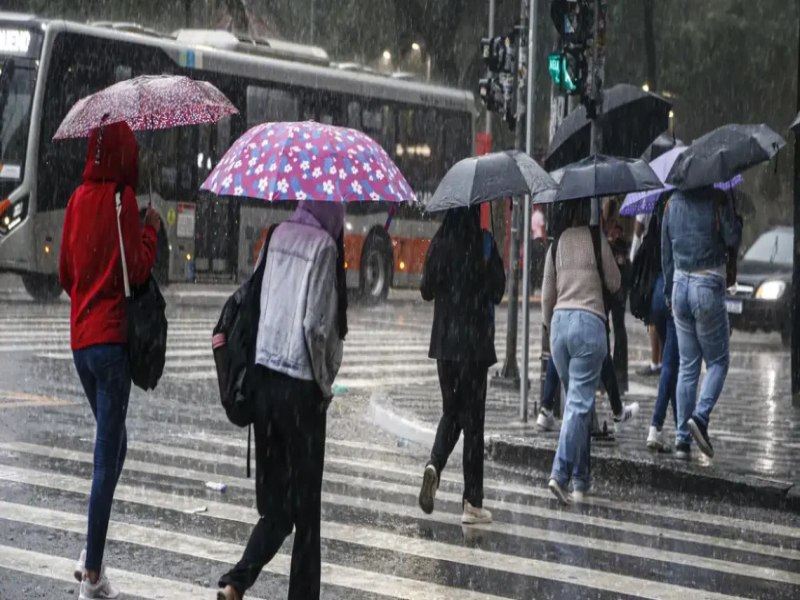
145,103
645,202
308,161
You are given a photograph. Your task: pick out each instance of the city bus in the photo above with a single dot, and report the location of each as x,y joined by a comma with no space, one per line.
48,65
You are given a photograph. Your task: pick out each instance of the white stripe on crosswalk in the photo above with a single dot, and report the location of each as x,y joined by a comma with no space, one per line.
224,552
133,584
511,529
423,548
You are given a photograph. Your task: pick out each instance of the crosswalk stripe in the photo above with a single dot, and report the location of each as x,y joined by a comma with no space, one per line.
511,529
134,584
224,552
502,488
422,548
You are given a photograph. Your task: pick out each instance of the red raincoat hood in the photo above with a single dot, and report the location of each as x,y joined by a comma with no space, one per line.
118,156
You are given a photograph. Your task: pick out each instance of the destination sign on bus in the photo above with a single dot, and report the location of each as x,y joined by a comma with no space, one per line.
15,41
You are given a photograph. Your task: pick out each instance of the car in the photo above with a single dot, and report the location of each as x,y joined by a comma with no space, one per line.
762,297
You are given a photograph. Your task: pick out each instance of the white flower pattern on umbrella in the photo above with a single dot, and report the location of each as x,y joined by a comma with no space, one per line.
283,186
328,187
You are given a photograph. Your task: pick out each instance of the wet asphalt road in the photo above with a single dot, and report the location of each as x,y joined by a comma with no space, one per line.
171,537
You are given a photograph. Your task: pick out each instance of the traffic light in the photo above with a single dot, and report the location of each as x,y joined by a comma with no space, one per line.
496,88
574,21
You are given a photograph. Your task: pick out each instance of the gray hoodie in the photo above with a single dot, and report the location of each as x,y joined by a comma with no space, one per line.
297,331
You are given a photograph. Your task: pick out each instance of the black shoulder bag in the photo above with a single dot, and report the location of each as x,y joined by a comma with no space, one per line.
147,321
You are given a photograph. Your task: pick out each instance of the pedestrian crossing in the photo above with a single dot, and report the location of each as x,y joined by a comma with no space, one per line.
170,537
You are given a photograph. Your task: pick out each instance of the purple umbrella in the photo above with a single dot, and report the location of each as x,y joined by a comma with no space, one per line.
308,161
645,202
147,102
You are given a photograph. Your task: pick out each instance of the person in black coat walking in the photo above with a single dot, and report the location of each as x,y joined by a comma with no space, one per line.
464,275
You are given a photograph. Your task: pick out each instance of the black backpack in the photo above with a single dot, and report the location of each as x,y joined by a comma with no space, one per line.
645,270
234,341
147,321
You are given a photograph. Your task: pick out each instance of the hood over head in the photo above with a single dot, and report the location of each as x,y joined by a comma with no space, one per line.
329,214
113,155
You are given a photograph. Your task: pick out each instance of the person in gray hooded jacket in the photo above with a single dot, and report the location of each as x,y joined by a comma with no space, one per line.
302,324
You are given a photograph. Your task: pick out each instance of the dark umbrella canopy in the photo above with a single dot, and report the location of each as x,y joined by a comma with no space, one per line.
661,145
489,177
603,176
724,153
631,120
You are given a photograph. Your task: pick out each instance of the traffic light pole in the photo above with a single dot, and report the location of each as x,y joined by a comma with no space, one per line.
796,269
530,124
491,34
509,374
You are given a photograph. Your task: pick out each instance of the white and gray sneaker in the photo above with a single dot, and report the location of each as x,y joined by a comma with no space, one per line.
577,497
474,515
629,412
102,589
546,421
655,440
558,491
80,566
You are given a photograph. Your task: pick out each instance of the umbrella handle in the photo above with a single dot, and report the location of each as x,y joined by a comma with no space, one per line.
390,216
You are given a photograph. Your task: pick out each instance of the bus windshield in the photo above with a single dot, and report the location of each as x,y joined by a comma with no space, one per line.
17,82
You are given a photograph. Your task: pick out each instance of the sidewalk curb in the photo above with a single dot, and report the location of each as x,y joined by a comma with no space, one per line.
533,453
739,489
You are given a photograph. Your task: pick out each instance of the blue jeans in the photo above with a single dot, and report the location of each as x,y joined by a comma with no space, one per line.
104,372
608,375
579,346
701,322
668,380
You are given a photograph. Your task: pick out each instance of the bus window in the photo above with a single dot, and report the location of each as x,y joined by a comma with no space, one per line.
270,104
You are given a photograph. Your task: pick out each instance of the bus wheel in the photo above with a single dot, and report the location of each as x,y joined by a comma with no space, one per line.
161,268
42,288
376,269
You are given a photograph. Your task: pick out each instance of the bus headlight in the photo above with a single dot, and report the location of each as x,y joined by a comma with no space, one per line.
771,290
11,215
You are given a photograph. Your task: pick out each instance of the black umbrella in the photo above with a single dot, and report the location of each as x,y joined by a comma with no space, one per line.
631,120
661,145
722,154
796,124
489,177
601,175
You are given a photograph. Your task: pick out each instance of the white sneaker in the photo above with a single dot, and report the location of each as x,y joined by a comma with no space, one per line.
475,516
546,421
655,439
629,412
577,497
102,589
558,491
80,566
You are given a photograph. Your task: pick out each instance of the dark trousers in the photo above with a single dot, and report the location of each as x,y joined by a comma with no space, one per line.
104,372
608,377
463,409
617,307
289,425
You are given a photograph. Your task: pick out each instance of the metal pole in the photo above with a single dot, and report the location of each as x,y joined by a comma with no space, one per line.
313,11
526,234
796,269
510,371
491,34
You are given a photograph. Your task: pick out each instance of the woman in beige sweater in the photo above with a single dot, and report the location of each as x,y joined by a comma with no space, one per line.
575,316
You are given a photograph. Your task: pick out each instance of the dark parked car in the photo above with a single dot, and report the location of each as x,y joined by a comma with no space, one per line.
763,294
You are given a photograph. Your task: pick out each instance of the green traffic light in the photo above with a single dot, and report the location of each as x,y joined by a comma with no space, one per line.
557,65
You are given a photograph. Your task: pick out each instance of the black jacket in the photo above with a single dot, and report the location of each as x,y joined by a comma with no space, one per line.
465,287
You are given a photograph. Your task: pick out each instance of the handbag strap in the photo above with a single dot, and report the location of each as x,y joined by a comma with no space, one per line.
126,281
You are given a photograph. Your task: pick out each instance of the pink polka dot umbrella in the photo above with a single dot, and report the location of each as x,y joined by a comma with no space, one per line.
308,161
147,102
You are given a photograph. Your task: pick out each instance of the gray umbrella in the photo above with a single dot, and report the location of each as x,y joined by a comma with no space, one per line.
796,124
601,175
489,177
722,154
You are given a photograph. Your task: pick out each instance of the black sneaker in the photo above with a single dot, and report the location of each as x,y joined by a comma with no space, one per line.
683,451
427,494
699,432
649,371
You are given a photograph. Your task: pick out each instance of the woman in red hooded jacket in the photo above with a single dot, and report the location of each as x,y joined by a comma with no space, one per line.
90,271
